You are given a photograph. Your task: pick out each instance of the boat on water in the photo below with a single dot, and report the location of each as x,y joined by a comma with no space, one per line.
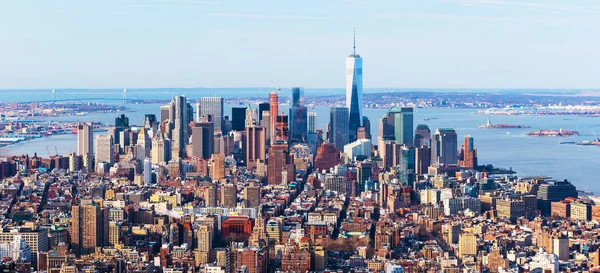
489,125
554,133
428,119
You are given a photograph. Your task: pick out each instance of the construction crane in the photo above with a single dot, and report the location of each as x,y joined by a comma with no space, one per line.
55,149
48,150
276,86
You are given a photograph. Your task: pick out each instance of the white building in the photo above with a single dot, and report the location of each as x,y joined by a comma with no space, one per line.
543,262
361,147
393,268
104,148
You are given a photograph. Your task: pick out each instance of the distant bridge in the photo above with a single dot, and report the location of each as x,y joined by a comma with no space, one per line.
71,97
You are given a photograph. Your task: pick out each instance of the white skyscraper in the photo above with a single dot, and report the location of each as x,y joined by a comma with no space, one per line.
147,171
85,138
354,96
104,148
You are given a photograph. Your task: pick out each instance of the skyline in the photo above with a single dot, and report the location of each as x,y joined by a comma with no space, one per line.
167,43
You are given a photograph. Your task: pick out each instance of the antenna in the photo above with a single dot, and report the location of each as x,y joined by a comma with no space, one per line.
354,42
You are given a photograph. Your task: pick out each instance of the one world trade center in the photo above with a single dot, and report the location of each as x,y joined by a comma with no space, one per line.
354,97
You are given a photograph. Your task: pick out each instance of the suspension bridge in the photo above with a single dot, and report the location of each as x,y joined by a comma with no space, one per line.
66,97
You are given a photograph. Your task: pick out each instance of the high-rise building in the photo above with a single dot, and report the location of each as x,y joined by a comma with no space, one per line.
164,113
444,147
218,167
205,238
468,153
251,117
75,162
397,125
364,132
150,123
89,228
312,122
327,156
161,149
85,138
280,162
422,159
338,126
36,240
182,114
422,136
403,125
273,114
252,196
122,122
467,245
263,106
229,196
144,143
104,148
256,139
238,118
212,106
354,96
203,138
298,116
147,171
281,128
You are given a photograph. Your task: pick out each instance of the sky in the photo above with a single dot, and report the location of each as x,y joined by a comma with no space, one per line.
206,43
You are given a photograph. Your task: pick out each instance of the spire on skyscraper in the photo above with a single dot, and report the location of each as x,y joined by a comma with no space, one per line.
354,42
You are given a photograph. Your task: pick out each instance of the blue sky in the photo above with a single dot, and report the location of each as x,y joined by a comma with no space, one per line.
205,43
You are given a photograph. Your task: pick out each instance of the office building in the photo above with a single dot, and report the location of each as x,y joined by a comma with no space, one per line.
327,157
238,118
468,154
280,162
212,106
273,113
281,128
397,125
354,96
203,138
182,114
147,171
104,148
150,123
554,191
422,136
358,150
251,118
312,122
263,106
161,149
422,159
144,143
256,140
89,228
36,240
85,138
338,127
298,116
444,147
467,245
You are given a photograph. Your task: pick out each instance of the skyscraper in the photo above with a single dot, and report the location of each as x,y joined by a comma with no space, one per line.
468,154
279,162
256,139
85,138
89,228
312,122
147,171
444,147
354,90
238,118
422,136
161,148
144,144
281,128
298,116
229,196
403,125
104,148
338,126
122,121
264,106
273,113
203,138
251,117
212,106
182,114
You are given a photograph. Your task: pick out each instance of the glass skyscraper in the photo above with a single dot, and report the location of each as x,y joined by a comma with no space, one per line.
298,116
212,106
354,96
338,126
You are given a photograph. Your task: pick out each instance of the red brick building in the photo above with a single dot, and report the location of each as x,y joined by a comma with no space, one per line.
327,157
561,209
237,226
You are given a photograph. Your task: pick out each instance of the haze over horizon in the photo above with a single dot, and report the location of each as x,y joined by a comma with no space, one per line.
404,44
